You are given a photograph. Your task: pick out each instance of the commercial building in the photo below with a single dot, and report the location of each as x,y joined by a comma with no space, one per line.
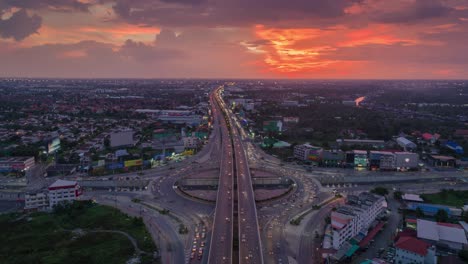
121,138
406,160
8,164
332,157
410,250
36,201
442,161
443,235
355,217
383,160
405,143
187,117
357,158
307,152
63,191
191,142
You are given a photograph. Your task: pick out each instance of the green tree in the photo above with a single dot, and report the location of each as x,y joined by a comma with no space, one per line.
419,212
397,195
380,190
463,254
441,216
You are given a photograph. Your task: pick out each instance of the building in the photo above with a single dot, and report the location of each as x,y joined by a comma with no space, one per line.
455,147
307,152
443,235
357,158
361,142
383,160
442,161
8,164
332,157
173,116
36,201
410,250
405,143
355,217
63,191
191,142
52,144
406,160
121,138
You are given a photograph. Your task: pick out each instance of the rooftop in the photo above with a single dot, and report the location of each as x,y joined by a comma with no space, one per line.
63,183
413,245
440,231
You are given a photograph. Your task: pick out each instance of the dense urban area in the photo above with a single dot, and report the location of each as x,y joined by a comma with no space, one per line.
233,171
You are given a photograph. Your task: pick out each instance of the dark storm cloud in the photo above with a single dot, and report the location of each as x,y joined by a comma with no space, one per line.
226,12
56,5
19,25
414,12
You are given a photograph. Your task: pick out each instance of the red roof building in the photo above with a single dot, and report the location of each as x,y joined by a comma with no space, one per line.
413,245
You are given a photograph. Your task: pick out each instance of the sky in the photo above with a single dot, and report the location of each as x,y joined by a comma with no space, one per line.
320,39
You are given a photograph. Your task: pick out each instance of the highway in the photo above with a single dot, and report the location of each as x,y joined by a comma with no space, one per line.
250,249
221,245
234,167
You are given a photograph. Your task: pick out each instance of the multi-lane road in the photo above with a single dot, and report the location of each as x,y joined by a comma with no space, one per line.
222,233
229,233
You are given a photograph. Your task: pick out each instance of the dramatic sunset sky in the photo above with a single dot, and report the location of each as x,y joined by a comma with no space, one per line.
403,39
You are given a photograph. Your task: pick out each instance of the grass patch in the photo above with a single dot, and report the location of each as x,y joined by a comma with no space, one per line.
447,197
46,238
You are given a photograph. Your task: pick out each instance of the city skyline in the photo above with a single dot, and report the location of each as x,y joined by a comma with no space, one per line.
339,39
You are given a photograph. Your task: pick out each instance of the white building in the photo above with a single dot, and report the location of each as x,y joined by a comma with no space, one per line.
36,201
16,163
410,250
121,138
302,152
442,234
62,190
405,143
355,217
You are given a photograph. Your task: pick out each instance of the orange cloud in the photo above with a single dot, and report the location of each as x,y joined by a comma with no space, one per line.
73,54
302,51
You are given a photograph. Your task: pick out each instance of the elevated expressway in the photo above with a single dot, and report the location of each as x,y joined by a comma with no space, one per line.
235,237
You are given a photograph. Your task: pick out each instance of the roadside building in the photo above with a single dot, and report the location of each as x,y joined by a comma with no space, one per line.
63,191
36,201
356,217
122,138
442,161
383,160
408,197
410,250
405,143
357,158
332,158
307,152
191,142
406,160
8,164
443,235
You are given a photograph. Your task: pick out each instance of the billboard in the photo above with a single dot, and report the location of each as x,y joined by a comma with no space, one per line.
133,163
114,166
53,145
